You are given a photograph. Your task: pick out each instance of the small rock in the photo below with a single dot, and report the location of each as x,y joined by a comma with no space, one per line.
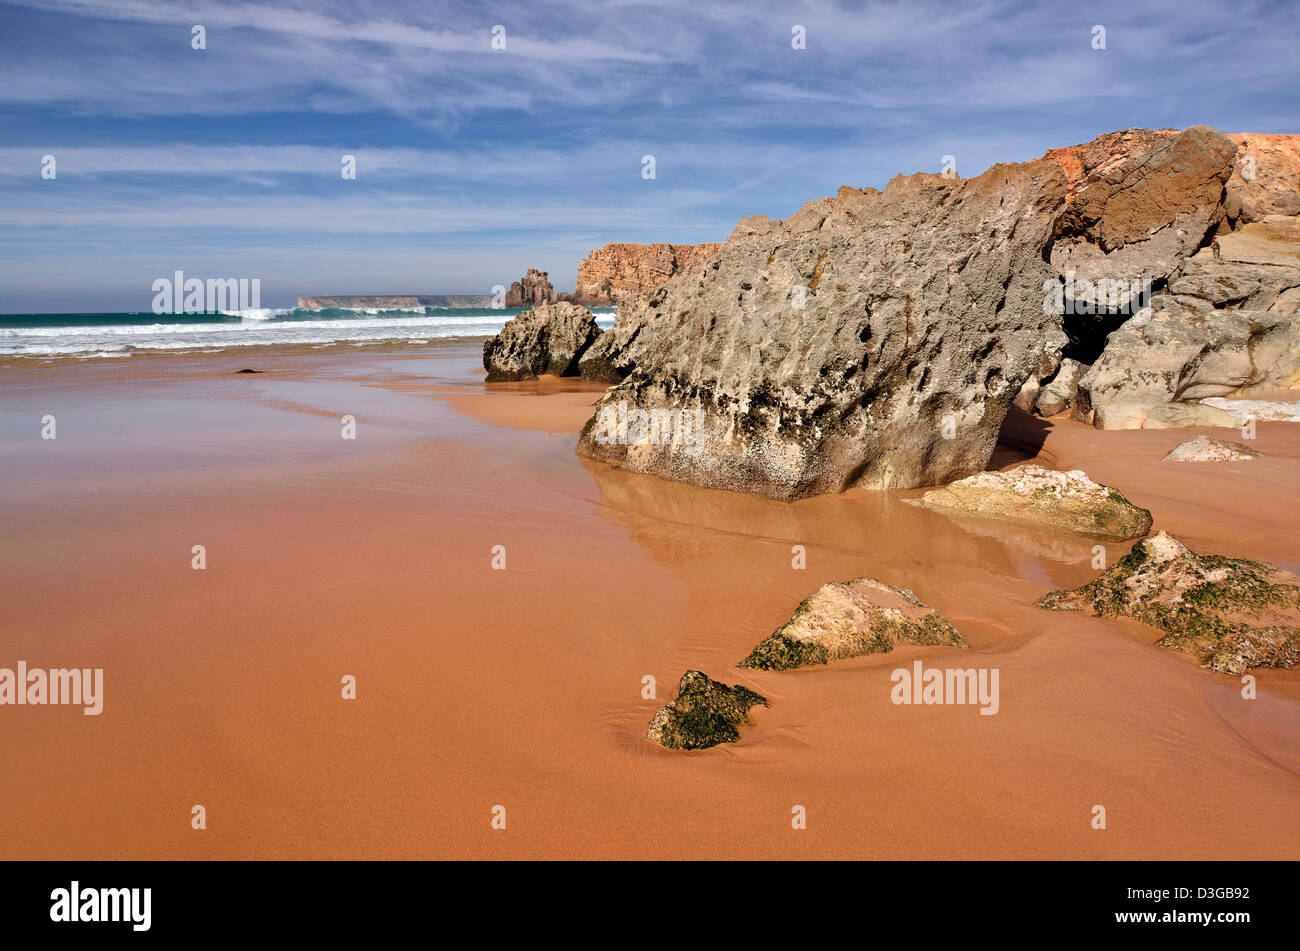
1066,500
1057,395
850,618
246,370
1232,613
704,714
550,338
1205,449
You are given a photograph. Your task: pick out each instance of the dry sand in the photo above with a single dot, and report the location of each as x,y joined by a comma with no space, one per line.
477,687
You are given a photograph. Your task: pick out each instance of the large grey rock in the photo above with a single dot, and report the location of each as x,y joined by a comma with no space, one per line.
550,338
874,338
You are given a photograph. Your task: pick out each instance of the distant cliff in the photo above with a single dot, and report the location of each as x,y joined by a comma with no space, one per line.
619,271
389,302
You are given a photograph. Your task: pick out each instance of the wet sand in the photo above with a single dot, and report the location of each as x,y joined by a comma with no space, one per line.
522,687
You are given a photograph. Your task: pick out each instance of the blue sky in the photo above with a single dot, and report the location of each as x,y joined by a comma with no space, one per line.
474,163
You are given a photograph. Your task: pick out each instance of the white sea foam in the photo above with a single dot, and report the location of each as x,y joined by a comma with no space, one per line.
259,313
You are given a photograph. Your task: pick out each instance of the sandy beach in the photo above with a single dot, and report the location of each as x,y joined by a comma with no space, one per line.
522,687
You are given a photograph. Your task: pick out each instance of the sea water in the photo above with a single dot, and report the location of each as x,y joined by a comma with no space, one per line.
90,336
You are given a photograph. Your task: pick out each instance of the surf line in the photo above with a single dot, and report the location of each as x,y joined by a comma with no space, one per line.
82,686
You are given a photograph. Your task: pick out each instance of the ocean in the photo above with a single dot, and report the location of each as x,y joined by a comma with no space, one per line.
100,336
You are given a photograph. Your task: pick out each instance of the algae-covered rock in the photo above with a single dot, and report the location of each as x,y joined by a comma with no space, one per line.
1232,613
1065,500
704,714
1205,449
850,618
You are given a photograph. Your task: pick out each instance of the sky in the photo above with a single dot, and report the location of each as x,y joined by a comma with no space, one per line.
474,163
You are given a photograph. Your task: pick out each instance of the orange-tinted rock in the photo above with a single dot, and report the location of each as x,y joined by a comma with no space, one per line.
620,271
1140,201
1266,179
1087,163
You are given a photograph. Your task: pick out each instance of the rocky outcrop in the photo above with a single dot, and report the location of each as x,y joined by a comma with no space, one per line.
1150,214
550,338
1266,180
849,619
619,272
1140,202
814,350
1228,324
875,338
704,714
1069,501
1176,354
1232,613
1256,267
1205,449
530,291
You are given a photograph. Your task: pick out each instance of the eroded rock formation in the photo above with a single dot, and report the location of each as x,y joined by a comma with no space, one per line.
1140,202
874,338
1175,268
531,290
1227,325
1266,180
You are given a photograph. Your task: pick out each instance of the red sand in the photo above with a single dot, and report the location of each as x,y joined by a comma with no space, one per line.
522,687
